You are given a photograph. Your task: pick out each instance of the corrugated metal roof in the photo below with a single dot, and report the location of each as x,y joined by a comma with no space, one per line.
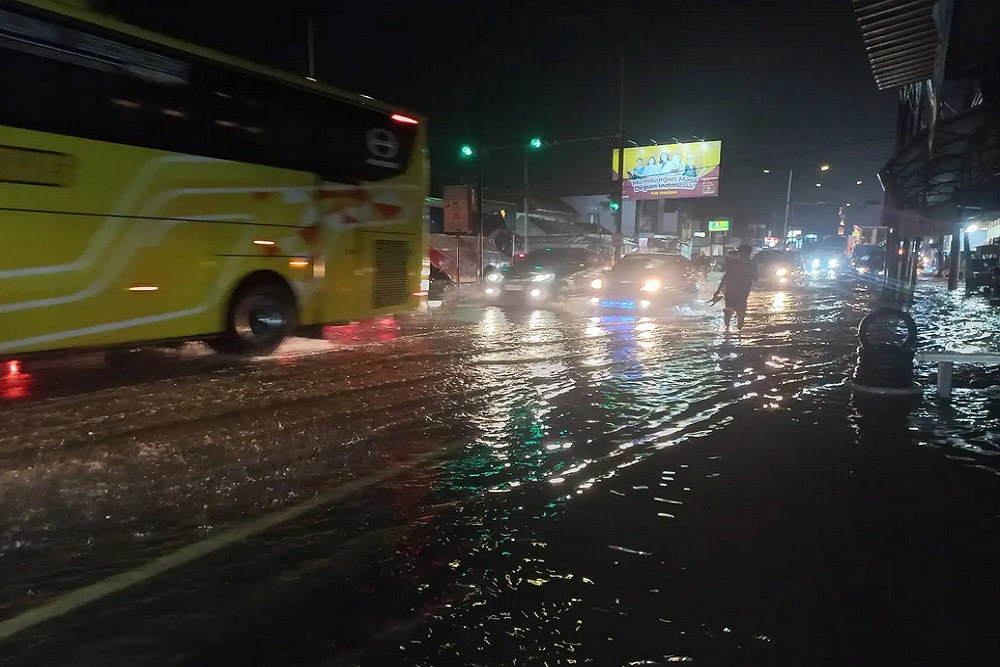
901,39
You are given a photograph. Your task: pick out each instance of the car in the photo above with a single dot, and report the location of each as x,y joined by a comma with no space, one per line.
829,262
546,276
778,268
645,281
869,260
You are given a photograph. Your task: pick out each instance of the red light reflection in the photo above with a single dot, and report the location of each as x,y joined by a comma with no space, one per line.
15,384
360,333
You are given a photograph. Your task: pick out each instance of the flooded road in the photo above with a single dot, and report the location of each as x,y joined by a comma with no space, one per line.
472,486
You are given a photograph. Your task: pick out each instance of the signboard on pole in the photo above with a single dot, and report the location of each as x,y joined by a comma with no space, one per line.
458,209
671,171
718,225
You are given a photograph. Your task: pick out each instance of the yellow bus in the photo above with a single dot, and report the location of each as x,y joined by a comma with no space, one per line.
155,191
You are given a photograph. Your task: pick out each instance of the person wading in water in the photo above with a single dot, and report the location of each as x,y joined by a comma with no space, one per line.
735,286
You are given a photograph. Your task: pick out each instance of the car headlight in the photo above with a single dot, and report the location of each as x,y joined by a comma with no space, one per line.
597,283
815,263
651,285
541,278
781,273
833,263
494,277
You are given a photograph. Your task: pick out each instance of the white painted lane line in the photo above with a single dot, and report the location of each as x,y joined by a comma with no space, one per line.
73,600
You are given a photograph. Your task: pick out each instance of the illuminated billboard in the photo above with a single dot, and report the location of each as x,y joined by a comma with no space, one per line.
718,225
672,171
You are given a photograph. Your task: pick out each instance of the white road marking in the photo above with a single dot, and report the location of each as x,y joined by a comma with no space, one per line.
80,597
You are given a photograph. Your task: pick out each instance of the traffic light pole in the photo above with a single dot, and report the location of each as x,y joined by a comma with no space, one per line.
621,155
526,203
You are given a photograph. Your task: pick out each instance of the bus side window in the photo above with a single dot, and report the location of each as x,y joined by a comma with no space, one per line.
147,113
237,124
76,81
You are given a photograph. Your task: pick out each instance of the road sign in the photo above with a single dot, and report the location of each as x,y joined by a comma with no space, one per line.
457,209
718,225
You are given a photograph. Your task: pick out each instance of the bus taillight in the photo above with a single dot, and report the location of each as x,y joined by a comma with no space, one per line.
406,120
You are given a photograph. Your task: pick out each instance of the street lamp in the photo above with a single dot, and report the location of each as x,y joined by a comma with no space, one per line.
788,194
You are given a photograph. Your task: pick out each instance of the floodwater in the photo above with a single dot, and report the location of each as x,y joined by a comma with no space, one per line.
472,486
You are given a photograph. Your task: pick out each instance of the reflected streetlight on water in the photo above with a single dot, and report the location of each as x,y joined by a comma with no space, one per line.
779,303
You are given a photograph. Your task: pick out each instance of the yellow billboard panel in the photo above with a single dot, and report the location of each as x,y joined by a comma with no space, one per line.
671,171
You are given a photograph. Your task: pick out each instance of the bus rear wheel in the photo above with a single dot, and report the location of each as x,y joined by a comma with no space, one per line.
261,315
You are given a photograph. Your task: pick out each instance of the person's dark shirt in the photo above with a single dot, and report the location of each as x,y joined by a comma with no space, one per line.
740,275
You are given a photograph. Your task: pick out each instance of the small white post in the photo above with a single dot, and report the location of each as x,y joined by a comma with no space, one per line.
944,379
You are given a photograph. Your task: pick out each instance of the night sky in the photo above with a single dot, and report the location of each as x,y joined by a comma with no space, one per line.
782,84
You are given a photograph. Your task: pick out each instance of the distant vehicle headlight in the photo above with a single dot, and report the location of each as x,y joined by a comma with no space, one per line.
651,285
833,263
542,277
781,273
597,283
815,263
494,277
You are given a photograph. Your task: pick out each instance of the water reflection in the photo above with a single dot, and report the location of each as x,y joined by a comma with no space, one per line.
620,490
15,383
779,303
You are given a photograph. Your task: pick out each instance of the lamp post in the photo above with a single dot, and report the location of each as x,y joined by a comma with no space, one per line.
788,208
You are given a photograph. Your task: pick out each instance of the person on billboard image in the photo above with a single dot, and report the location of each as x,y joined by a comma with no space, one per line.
678,167
665,166
637,169
651,168
689,168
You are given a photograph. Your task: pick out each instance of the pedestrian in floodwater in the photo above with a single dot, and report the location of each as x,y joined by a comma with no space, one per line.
736,283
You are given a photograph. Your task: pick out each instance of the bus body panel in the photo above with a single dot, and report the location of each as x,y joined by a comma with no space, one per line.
107,243
79,264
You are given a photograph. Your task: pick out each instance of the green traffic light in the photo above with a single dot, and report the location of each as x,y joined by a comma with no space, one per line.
536,143
466,151
614,205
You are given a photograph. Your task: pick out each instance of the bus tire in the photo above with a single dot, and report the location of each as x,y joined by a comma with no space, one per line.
261,314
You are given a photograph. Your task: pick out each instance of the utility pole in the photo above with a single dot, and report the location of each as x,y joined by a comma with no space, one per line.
621,151
788,208
311,41
481,180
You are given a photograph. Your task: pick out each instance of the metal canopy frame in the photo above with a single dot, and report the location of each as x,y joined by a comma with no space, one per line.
901,39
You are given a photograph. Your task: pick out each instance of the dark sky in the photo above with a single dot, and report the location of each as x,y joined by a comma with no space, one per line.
784,84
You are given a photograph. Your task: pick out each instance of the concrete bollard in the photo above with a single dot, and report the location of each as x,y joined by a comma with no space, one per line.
885,365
